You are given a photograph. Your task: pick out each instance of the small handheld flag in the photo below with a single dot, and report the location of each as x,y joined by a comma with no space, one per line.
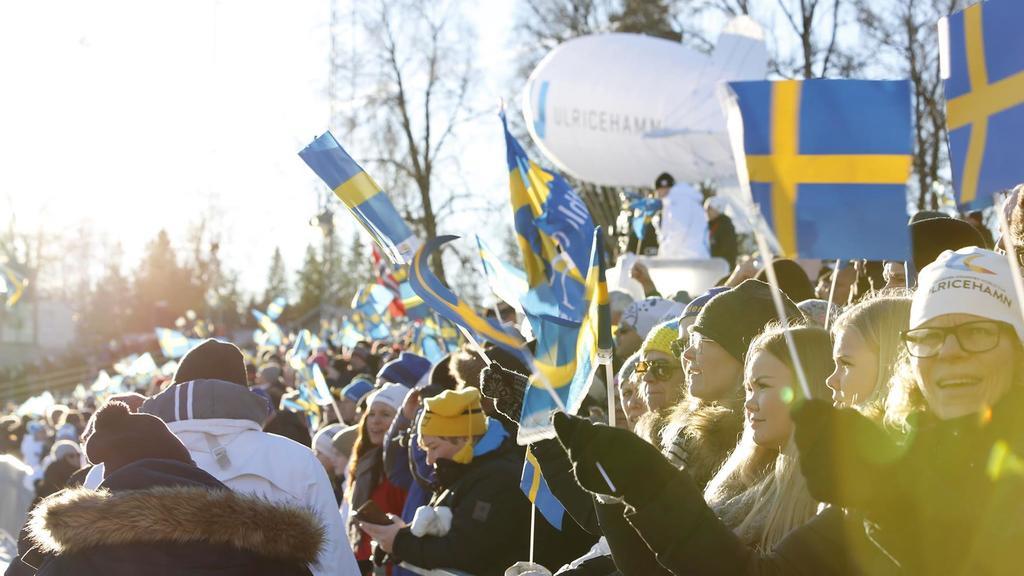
507,282
363,197
536,489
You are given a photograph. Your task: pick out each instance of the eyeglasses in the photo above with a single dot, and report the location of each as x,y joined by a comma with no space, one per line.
679,345
659,369
973,337
696,338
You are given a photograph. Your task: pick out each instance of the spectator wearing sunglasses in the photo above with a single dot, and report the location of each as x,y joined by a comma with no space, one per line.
659,371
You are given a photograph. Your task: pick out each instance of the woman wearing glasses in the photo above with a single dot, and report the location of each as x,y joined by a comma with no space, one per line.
947,498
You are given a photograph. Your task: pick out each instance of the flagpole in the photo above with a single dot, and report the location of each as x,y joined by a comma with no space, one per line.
533,527
832,294
762,245
609,375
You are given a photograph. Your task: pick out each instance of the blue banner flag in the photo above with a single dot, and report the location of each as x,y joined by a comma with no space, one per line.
644,210
828,162
536,489
506,281
363,197
413,305
370,323
567,356
553,229
442,300
983,63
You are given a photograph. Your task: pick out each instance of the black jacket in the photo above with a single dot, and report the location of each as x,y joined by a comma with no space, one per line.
688,538
164,518
490,528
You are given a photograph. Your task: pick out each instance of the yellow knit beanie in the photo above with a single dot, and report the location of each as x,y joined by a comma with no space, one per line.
454,413
660,338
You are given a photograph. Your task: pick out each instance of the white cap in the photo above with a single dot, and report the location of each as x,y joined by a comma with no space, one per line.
391,394
971,280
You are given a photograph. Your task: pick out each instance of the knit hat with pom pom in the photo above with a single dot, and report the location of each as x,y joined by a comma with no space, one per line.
120,438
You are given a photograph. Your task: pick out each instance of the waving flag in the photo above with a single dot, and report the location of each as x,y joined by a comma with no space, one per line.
373,296
983,64
370,323
553,228
506,281
442,300
363,197
567,355
275,308
271,332
536,489
348,335
828,162
12,285
174,344
644,210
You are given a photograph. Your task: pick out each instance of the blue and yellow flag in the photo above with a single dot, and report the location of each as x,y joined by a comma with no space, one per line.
442,300
567,355
275,308
363,197
373,296
536,489
506,281
12,285
828,162
370,323
983,62
553,228
412,304
269,333
174,344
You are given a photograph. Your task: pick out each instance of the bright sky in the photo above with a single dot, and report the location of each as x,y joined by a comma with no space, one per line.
139,115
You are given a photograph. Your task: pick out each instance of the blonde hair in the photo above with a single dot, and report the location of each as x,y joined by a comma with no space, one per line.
879,320
760,492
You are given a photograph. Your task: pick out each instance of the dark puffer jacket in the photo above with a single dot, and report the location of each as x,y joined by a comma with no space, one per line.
490,528
164,517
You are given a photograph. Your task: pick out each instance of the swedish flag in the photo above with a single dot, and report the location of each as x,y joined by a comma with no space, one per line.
363,197
442,300
983,56
567,355
536,489
553,228
828,162
174,344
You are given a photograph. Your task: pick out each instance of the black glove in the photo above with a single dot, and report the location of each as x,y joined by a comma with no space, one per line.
636,470
506,388
844,456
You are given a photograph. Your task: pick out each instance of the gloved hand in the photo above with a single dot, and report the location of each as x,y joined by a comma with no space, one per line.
635,469
844,456
506,388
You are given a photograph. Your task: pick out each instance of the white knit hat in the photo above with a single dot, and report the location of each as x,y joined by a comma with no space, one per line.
391,394
971,280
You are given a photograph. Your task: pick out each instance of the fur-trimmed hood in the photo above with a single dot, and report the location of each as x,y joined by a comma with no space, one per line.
80,519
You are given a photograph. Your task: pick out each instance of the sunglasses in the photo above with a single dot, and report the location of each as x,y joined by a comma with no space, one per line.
973,337
659,369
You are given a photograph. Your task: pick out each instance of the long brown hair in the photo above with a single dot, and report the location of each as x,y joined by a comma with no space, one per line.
359,449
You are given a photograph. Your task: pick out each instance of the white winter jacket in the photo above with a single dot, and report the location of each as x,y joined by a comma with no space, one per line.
219,423
683,232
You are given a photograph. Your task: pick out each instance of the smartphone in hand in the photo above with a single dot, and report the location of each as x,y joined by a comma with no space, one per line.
370,513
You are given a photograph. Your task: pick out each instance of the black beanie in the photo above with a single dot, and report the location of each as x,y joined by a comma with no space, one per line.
120,437
792,279
212,360
933,236
735,317
665,180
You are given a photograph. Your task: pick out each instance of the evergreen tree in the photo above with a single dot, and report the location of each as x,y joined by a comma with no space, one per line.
651,17
161,287
277,278
309,284
108,310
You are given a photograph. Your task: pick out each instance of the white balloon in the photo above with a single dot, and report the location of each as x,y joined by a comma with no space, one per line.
620,109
